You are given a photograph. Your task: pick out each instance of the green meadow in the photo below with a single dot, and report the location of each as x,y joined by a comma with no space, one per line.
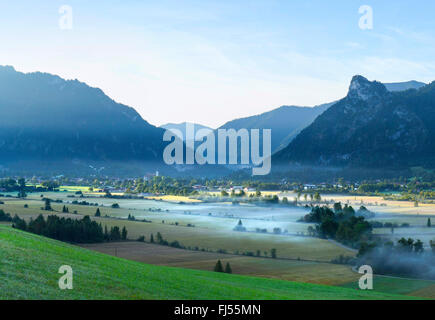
30,263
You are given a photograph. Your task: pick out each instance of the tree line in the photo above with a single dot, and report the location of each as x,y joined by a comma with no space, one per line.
70,230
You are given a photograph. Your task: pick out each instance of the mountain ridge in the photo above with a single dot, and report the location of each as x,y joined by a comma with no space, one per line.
370,127
45,117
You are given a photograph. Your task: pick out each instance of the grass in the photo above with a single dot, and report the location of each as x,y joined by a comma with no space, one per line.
30,264
414,287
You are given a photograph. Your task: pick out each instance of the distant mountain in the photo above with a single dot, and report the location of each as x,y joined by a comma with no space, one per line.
44,117
286,122
402,86
182,127
370,127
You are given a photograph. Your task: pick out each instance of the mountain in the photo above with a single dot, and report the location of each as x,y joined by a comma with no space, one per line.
44,117
370,127
403,86
286,122
182,127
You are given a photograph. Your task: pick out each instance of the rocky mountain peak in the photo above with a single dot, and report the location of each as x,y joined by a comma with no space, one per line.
362,89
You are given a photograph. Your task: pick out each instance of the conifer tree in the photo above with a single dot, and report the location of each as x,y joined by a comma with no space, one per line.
218,267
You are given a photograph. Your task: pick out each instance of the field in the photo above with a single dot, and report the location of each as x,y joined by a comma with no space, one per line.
413,287
210,233
30,264
207,228
174,198
303,271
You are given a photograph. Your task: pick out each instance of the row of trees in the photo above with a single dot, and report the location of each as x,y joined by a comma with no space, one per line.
5,217
70,230
219,268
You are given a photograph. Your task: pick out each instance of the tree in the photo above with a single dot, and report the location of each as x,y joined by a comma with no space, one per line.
228,268
65,209
311,231
47,205
258,193
317,196
418,246
218,267
98,213
115,233
429,224
152,238
406,244
124,233
273,253
337,207
22,188
159,237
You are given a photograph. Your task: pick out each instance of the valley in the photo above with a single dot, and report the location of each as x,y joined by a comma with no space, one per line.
205,232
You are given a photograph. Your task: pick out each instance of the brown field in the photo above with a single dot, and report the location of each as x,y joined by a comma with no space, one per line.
428,292
321,273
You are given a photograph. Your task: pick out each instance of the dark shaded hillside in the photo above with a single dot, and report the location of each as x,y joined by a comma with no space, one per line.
43,117
370,127
286,122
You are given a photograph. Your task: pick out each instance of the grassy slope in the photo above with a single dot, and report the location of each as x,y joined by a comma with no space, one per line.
29,265
414,287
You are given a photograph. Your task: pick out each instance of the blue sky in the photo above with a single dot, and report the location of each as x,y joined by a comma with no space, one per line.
213,61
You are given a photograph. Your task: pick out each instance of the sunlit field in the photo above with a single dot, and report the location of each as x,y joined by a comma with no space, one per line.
205,229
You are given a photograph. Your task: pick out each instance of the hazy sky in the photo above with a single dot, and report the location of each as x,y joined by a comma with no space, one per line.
213,61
